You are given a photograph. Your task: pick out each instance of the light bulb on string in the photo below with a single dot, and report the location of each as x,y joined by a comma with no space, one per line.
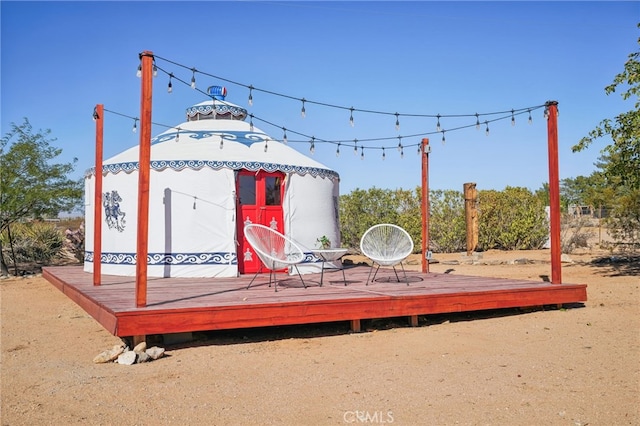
303,111
155,69
221,142
139,71
312,147
170,86
384,155
135,125
251,122
95,114
486,132
250,96
362,152
477,121
397,121
402,153
443,139
351,117
438,123
284,136
194,202
355,147
266,145
419,149
513,119
530,119
193,78
178,134
400,143
338,150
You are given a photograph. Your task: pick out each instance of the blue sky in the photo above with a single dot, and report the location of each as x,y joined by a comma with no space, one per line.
60,59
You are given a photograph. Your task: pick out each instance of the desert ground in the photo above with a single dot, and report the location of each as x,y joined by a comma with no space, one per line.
578,365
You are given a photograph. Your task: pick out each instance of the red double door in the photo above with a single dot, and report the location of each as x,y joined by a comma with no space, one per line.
259,198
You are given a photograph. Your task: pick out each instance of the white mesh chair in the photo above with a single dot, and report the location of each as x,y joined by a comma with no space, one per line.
274,250
386,245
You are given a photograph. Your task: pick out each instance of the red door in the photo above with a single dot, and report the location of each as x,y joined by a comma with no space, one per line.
259,196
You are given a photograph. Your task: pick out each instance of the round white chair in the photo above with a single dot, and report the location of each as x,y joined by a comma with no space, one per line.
386,245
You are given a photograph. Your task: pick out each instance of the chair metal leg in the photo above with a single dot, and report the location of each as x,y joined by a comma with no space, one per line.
405,273
254,277
295,266
374,275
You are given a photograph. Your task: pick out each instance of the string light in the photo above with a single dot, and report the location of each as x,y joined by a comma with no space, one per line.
95,114
338,150
355,147
530,119
221,142
312,148
513,119
362,152
384,155
266,144
419,149
135,125
400,143
303,111
155,69
284,136
438,123
194,202
178,134
397,121
250,95
251,122
193,78
170,86
139,72
351,117
402,153
487,130
443,139
477,121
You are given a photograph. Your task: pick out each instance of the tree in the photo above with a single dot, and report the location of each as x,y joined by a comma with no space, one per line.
620,160
32,186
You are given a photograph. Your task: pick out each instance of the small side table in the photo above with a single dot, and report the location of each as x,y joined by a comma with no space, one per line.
329,255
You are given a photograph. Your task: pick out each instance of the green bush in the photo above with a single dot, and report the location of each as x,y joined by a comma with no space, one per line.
447,230
37,242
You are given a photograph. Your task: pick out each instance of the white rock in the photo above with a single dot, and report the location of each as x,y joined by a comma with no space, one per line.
155,352
140,347
109,355
127,358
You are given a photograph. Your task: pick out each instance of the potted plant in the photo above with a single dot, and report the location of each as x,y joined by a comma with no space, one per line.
324,242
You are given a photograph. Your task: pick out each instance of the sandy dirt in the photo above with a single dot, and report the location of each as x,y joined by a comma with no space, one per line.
573,366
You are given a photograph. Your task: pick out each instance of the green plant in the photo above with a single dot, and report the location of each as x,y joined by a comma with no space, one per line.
324,242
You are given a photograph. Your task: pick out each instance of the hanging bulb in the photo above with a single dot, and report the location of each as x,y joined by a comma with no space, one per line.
303,111
266,145
221,143
251,122
95,114
338,150
486,132
355,147
397,121
351,117
135,125
284,137
170,86
443,139
139,72
193,78
530,119
513,119
194,202
178,135
362,153
477,121
438,123
402,153
419,149
312,148
546,112
384,155
155,69
250,96
400,143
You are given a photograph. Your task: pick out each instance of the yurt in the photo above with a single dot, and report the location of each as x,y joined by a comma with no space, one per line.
209,176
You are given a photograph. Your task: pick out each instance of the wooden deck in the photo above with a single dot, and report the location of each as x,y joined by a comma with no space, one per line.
176,305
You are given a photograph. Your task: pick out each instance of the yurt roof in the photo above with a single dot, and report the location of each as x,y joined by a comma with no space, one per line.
216,136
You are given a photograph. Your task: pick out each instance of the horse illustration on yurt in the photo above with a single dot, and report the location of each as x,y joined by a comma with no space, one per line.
209,177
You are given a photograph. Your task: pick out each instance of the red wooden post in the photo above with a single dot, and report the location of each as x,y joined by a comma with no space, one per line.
98,115
425,203
144,166
554,191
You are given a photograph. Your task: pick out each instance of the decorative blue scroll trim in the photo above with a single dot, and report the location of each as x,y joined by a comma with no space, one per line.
243,137
219,109
253,166
154,259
